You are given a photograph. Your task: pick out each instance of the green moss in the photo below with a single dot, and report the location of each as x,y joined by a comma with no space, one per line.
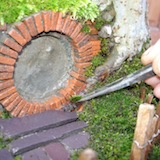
75,98
96,61
15,10
5,115
17,158
86,28
112,118
4,143
99,22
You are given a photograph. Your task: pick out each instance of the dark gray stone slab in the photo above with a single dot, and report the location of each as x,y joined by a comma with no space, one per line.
30,142
76,141
56,151
5,155
36,154
15,127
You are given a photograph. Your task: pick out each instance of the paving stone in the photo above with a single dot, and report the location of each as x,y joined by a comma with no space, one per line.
15,127
76,141
56,151
33,141
5,155
36,154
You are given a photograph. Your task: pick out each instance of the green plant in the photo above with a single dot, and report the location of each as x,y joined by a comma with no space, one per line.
5,115
15,10
75,98
86,28
96,61
17,158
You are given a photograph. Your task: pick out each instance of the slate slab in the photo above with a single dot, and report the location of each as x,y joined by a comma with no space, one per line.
76,141
16,127
36,154
33,141
56,151
5,155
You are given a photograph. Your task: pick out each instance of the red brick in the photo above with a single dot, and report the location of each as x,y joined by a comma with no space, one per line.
82,65
14,103
65,93
51,103
12,44
7,92
79,37
42,108
71,28
57,102
9,52
54,20
7,60
60,22
24,110
5,102
83,41
24,31
47,106
37,108
47,20
62,100
84,59
93,31
85,48
29,22
76,31
80,89
18,108
31,109
5,75
6,84
39,22
67,22
6,68
78,76
75,82
17,37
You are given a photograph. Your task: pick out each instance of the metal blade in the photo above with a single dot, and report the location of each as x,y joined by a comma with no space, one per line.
140,75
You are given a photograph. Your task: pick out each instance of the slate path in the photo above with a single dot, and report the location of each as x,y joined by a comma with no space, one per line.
50,135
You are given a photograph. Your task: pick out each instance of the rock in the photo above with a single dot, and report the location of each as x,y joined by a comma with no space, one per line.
106,31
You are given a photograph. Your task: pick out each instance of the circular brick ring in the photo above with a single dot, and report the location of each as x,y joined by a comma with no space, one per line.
85,48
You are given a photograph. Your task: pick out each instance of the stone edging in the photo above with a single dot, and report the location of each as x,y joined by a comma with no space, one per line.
85,45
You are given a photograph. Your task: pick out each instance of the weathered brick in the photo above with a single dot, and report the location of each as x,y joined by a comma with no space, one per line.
39,22
59,22
5,75
29,22
7,60
24,111
57,102
82,65
31,109
83,40
47,20
76,31
36,108
47,106
17,37
79,37
83,59
6,68
14,103
78,76
9,52
6,84
12,44
67,22
9,99
71,27
54,20
18,108
51,103
42,108
85,48
7,92
24,31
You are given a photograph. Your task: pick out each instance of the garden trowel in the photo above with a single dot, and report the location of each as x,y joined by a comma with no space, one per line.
137,76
